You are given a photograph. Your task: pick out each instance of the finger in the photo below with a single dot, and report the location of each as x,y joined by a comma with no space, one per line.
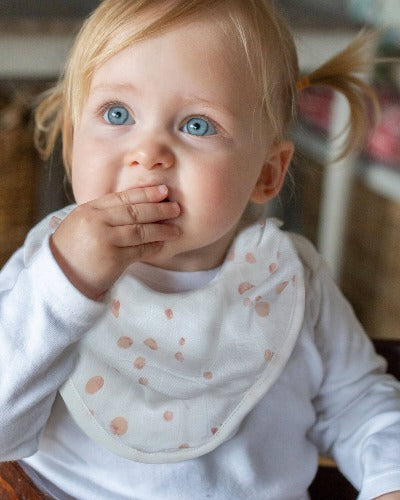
140,252
139,234
141,213
149,194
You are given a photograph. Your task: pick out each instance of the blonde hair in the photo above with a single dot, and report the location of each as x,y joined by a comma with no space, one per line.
258,30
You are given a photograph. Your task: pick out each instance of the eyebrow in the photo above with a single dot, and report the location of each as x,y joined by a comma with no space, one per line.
104,87
114,86
210,104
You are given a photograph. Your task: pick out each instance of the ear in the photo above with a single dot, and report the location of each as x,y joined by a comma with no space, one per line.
273,172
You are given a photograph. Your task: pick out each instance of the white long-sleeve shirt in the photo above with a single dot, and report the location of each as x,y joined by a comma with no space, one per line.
332,397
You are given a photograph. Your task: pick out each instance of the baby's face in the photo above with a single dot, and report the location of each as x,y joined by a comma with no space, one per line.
174,110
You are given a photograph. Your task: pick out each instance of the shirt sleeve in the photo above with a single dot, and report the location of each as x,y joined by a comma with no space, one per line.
358,404
42,317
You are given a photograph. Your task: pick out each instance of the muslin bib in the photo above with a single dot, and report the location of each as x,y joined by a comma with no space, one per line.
168,377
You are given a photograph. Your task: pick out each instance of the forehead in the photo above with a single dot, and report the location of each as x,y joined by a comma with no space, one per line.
195,54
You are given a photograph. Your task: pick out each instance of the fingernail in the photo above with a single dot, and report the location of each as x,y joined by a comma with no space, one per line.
163,189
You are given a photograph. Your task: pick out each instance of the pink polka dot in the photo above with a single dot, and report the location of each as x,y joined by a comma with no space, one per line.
183,446
281,287
143,381
214,430
258,298
262,309
94,384
115,307
272,268
263,223
182,341
54,222
247,302
125,342
208,375
245,287
168,416
250,258
169,313
119,426
268,355
179,357
151,343
139,363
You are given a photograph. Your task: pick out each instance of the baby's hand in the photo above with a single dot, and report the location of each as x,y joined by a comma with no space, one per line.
395,495
97,241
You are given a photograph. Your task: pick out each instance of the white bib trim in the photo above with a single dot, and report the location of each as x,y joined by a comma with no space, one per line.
170,377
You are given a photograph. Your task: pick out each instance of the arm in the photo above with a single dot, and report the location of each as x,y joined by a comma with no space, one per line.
357,405
46,305
42,316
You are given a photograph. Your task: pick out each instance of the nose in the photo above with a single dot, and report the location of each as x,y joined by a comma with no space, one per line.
150,153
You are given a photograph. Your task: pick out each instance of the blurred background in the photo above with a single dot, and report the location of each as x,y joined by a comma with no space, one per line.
46,9
349,209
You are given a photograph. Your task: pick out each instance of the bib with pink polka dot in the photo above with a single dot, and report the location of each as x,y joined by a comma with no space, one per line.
169,377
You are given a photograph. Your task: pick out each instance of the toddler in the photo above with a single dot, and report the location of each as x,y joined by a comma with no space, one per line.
157,341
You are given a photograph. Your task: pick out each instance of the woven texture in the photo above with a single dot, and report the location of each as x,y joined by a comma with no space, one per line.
16,485
371,266
18,168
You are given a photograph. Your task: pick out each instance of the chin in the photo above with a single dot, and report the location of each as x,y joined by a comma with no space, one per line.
164,258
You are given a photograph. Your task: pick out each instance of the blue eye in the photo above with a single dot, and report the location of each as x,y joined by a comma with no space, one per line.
118,115
199,127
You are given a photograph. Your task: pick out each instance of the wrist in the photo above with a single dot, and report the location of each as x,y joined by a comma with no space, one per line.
73,277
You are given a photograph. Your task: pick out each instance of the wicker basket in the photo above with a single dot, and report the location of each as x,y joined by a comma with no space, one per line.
18,171
371,265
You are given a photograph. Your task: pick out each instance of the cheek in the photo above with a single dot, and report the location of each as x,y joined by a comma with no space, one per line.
224,188
237,182
90,179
